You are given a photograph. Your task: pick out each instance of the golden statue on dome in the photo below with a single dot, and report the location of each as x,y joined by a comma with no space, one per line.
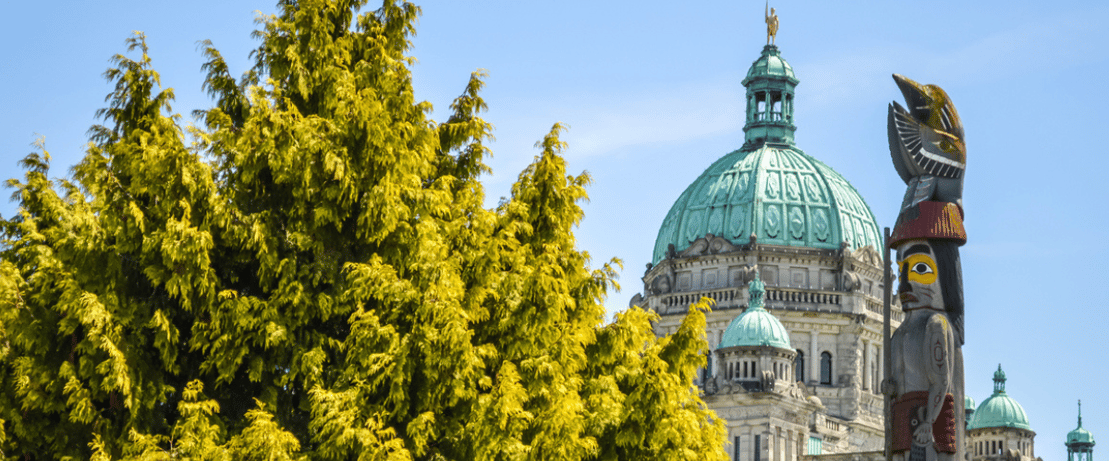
771,24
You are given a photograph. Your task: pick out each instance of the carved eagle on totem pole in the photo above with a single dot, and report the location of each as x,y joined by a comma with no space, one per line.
927,144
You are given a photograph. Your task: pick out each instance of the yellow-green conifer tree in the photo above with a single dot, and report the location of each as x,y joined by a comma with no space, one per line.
311,274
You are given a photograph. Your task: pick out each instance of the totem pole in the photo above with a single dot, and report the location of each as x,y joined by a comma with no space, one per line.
924,384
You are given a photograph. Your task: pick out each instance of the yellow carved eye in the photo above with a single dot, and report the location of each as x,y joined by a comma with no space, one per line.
921,269
947,146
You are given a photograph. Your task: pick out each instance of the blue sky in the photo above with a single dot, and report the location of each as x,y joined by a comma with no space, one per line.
651,92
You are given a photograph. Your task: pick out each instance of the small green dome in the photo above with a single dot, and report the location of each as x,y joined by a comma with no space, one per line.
779,193
756,326
770,65
1080,436
968,403
1000,410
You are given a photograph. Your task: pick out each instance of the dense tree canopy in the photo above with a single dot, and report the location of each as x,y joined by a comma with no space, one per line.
311,273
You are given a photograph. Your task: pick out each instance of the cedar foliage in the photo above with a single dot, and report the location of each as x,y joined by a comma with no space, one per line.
311,274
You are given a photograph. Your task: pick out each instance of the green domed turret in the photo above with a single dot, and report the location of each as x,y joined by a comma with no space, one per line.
769,187
756,326
770,86
1000,410
1080,435
1080,442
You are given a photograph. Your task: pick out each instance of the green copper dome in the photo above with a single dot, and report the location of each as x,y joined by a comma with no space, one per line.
756,326
769,187
770,64
968,403
780,194
1080,436
1000,410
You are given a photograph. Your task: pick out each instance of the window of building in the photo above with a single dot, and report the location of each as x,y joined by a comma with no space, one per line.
876,376
735,449
825,367
816,445
799,366
758,448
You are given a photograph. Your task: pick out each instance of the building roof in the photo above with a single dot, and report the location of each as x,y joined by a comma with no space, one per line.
756,326
769,187
999,410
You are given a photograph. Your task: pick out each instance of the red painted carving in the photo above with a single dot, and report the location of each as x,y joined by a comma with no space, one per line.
910,404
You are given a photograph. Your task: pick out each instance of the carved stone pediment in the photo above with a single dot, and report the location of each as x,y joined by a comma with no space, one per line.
636,300
868,255
708,245
661,285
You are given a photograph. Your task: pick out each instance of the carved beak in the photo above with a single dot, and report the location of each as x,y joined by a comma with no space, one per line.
916,97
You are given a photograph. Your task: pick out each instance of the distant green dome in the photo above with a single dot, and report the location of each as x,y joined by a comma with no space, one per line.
1000,410
1080,436
756,326
968,403
777,192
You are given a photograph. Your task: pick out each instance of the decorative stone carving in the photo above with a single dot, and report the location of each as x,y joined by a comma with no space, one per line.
868,255
661,285
850,281
709,244
636,300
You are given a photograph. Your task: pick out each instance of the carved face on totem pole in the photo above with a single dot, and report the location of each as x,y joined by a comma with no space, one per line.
918,273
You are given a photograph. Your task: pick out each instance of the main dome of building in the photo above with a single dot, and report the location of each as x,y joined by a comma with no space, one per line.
769,187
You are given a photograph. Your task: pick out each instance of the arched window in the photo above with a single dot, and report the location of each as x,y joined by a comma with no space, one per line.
799,366
876,377
825,367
